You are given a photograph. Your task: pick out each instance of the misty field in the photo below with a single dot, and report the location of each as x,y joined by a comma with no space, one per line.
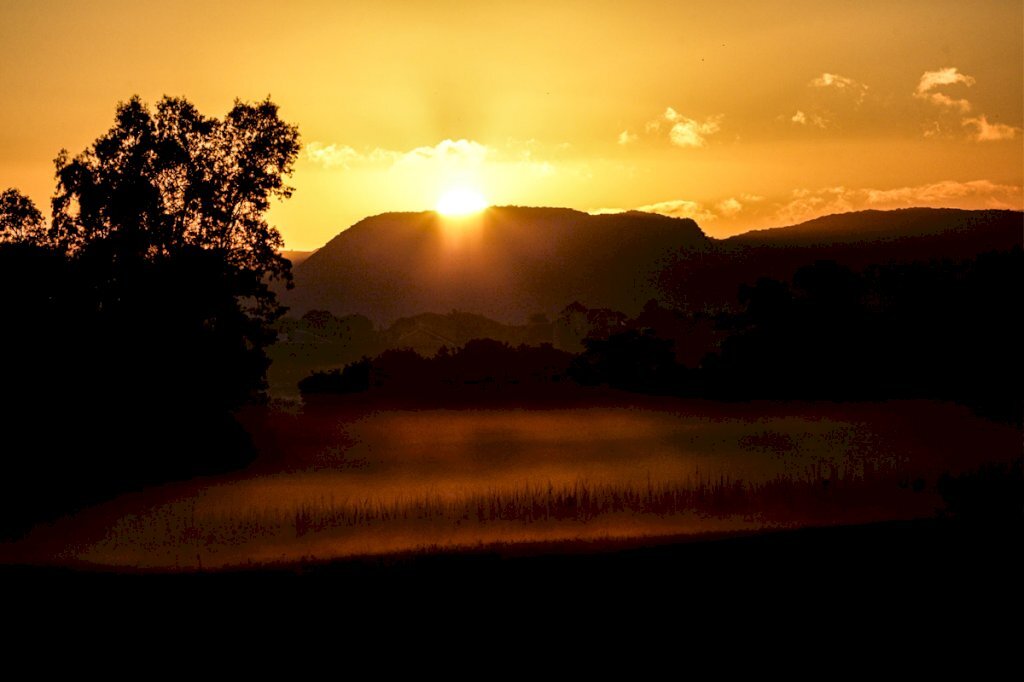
341,483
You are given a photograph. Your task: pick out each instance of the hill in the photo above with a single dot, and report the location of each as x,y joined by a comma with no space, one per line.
296,257
506,263
984,230
855,240
511,262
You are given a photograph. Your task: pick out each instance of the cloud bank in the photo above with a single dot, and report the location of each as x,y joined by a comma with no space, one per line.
748,211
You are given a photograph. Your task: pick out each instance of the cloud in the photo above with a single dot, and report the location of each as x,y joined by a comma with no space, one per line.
463,152
948,102
625,137
949,76
807,204
800,118
683,132
982,192
448,160
830,80
331,155
980,129
677,208
842,84
680,208
459,151
749,211
729,207
989,132
686,132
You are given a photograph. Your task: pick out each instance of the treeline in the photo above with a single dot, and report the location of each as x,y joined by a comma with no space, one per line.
482,370
937,329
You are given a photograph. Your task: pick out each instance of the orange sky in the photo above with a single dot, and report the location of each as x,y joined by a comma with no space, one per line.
739,114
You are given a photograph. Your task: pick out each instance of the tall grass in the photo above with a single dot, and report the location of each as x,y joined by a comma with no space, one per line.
822,495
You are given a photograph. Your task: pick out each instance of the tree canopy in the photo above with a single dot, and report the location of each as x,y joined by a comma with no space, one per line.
143,309
20,220
168,209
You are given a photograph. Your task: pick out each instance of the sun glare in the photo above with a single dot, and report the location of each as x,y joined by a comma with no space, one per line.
461,201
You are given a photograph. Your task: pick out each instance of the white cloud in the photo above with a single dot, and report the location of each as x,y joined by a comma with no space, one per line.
989,132
840,83
729,207
458,151
949,76
980,129
806,204
943,100
680,208
828,80
625,137
985,192
800,118
463,152
683,131
331,155
748,211
688,132
448,158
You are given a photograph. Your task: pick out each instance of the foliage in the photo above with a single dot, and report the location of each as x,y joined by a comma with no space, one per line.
165,213
159,186
483,369
20,220
144,308
630,360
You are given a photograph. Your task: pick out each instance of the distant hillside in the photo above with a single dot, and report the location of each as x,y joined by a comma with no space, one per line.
297,257
984,230
507,263
854,240
511,262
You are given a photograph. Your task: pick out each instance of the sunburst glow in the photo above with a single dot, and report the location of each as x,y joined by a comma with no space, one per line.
460,201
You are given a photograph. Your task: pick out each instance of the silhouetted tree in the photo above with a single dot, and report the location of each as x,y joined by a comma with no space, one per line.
165,214
20,220
353,378
630,360
145,306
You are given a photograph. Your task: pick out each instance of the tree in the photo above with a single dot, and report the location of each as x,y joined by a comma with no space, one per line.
166,214
142,311
20,220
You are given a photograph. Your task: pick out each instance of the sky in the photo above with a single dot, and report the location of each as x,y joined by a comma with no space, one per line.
741,115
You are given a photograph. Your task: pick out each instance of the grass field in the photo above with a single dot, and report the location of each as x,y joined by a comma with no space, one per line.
345,484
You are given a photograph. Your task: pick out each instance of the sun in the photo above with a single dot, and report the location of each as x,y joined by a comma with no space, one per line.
459,201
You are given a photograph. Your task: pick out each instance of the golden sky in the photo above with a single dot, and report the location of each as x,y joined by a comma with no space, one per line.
738,114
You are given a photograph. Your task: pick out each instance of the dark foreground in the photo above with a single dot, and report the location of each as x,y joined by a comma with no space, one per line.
904,597
902,570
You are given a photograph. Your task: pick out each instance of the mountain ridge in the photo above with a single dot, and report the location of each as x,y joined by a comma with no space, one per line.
510,262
